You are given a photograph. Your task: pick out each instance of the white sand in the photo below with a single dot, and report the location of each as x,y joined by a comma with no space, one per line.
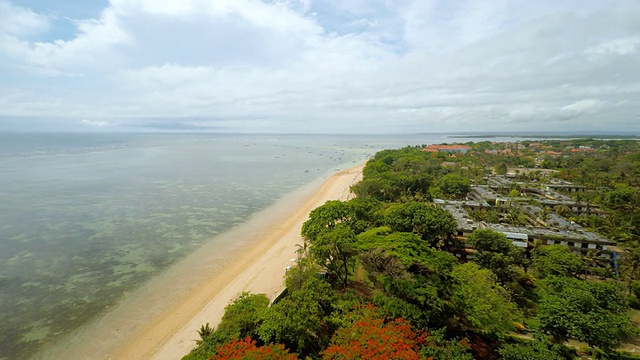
152,326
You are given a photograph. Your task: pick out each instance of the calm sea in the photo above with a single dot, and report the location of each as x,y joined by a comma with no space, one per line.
87,218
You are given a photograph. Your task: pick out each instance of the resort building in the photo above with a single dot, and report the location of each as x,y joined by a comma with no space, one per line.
450,149
537,224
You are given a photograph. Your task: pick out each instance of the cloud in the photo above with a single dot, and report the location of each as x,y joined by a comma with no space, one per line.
622,46
20,22
288,65
95,123
582,106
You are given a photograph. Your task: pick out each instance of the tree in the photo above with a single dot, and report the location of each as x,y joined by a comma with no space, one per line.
451,186
242,317
590,260
334,249
393,175
246,349
437,347
415,277
563,210
365,214
208,345
530,350
373,338
301,321
325,217
556,260
483,304
431,223
624,197
501,169
496,253
630,267
593,312
204,332
515,216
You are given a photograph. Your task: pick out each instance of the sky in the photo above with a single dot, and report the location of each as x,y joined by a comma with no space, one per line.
311,66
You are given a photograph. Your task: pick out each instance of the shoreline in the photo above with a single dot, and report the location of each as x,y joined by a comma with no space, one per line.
160,320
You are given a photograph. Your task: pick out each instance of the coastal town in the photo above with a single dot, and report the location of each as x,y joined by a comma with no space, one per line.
528,225
529,206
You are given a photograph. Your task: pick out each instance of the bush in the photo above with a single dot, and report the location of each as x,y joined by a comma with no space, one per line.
633,302
599,354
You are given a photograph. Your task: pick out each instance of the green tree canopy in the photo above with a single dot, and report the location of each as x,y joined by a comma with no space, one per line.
413,274
630,267
301,321
241,320
530,350
437,347
334,250
365,214
496,253
556,260
593,312
431,223
482,303
393,175
325,217
451,186
623,197
242,317
501,169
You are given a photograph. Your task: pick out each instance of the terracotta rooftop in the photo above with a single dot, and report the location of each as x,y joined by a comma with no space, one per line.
446,147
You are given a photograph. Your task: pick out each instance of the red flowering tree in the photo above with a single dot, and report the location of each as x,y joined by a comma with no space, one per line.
246,349
372,338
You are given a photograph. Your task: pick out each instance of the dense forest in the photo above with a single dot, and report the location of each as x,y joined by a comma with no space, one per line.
376,277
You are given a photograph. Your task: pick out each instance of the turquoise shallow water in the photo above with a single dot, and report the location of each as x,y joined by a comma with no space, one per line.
88,218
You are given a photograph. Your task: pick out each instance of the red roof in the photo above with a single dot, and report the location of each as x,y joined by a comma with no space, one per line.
446,147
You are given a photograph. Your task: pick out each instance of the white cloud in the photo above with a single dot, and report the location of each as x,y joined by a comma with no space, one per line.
95,123
18,21
92,46
288,65
623,46
582,106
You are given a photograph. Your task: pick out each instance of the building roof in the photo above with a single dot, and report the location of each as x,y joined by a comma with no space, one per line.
446,147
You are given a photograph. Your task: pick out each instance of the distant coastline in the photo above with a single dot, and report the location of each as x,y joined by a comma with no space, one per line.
605,135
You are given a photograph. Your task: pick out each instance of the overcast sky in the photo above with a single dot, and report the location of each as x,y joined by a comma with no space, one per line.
374,66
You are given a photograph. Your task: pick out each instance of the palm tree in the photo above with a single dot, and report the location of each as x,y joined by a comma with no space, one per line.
591,262
562,210
630,267
303,250
204,332
544,215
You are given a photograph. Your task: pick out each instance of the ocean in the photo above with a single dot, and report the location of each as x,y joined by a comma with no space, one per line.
86,219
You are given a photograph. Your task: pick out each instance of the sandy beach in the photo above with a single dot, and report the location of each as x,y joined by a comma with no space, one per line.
152,326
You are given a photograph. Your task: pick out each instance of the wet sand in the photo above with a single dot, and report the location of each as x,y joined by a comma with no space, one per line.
161,320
